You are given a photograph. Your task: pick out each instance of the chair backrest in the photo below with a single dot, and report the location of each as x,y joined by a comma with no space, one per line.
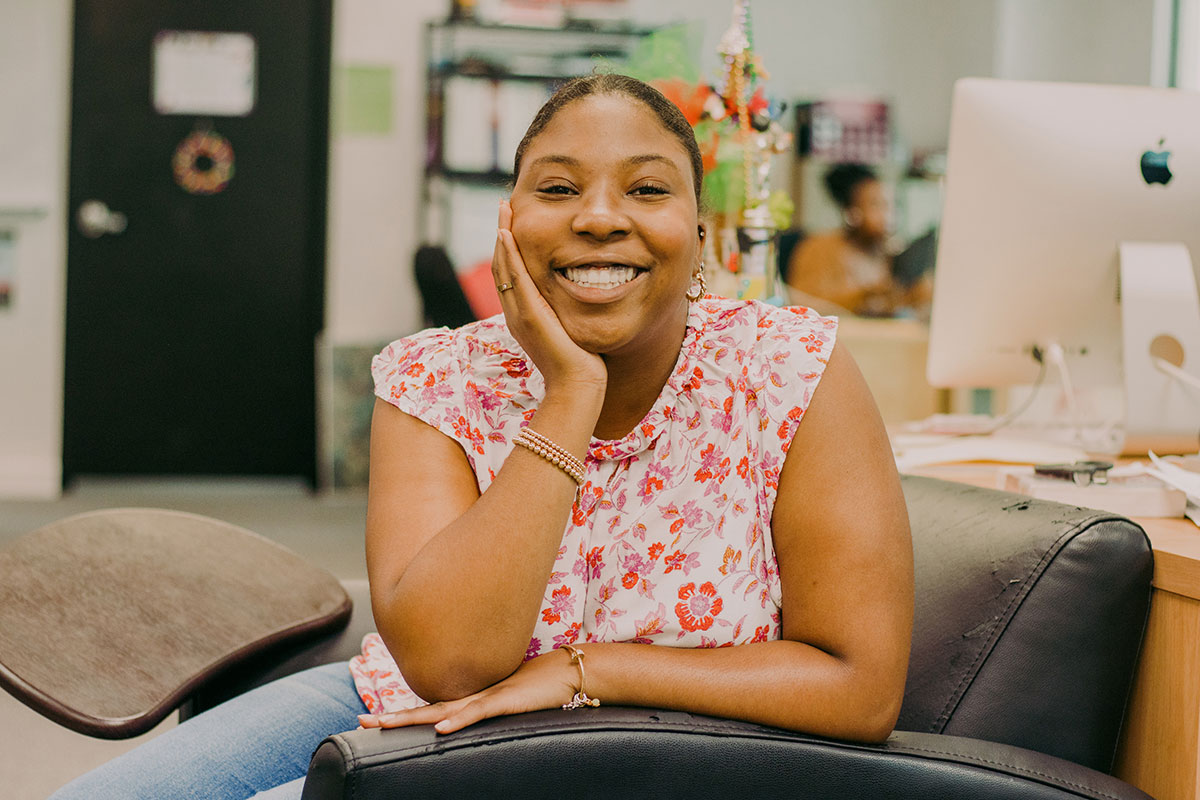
1029,620
441,294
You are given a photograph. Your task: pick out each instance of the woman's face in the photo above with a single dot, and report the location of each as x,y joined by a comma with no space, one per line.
604,214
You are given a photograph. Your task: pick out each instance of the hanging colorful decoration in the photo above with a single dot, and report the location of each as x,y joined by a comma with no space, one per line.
738,131
203,163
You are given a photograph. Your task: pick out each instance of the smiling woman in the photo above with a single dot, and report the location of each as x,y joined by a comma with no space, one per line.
691,495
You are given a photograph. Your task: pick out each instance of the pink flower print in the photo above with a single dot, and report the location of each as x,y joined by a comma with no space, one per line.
709,459
814,342
723,420
585,503
652,482
569,636
516,368
731,560
743,469
463,430
636,568
650,625
414,369
694,381
760,633
561,603
479,399
534,649
698,608
691,515
634,564
707,643
595,560
589,565
720,473
681,560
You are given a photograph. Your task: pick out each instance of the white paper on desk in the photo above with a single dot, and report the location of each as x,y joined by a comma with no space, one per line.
1183,479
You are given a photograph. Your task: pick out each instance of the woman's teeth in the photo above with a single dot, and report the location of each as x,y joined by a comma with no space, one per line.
600,277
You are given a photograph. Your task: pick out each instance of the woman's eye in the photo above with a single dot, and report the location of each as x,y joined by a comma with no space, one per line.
557,188
650,189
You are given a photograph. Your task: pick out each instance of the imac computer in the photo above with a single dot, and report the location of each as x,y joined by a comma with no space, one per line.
1069,238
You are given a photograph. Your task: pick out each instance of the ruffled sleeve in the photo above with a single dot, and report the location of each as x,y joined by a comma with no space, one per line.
422,376
473,384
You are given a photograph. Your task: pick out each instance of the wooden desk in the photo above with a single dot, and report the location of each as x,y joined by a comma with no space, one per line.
1159,751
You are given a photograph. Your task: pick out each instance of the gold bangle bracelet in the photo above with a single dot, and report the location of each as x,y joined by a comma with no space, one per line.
580,699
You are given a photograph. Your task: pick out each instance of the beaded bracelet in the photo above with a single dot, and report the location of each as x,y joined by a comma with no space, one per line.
556,455
580,699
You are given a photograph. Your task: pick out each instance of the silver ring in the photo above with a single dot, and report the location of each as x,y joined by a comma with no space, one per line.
503,287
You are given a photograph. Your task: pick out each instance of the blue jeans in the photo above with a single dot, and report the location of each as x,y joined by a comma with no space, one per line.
257,742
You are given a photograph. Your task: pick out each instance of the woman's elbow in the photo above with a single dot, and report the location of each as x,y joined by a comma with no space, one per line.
436,685
877,724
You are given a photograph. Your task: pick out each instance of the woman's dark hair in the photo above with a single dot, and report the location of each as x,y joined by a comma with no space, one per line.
841,181
667,112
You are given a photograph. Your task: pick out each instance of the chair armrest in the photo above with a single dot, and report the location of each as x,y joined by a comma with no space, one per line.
109,619
629,752
293,656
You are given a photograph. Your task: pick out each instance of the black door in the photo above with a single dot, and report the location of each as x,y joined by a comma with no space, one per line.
195,266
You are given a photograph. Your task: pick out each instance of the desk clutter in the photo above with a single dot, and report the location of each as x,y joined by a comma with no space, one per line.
1130,491
1155,486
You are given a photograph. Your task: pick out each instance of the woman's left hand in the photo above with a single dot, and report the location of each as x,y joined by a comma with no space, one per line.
547,681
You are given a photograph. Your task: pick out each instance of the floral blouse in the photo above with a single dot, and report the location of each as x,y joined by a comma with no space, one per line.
669,540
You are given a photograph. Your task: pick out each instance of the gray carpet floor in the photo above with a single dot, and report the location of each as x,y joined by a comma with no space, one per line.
36,755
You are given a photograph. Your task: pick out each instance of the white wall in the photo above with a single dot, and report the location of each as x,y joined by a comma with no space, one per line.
1092,41
909,51
34,91
374,180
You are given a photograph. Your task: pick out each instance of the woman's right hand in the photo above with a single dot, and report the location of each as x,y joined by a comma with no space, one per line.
533,322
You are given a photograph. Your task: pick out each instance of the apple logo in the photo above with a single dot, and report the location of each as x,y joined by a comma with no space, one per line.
1154,165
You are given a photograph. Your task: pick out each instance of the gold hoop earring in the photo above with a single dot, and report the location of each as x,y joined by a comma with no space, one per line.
698,278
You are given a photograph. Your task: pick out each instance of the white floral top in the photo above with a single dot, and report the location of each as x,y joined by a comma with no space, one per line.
669,540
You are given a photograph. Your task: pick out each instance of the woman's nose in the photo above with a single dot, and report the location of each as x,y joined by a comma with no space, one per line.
600,216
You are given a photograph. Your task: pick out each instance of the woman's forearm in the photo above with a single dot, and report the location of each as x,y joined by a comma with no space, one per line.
461,615
781,683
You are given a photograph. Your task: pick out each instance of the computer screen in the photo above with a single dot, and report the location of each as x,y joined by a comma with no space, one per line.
1044,182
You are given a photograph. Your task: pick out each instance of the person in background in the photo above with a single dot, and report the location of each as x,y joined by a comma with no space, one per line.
849,270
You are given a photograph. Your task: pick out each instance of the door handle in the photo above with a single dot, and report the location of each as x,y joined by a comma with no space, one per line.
94,219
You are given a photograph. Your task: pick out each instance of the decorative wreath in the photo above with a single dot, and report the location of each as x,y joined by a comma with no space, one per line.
203,163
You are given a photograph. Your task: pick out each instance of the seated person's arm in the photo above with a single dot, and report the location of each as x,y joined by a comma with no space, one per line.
817,269
457,578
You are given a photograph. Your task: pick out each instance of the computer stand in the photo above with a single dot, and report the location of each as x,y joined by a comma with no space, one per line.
1160,320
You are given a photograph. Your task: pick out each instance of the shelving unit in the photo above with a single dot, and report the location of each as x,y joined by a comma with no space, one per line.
484,83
